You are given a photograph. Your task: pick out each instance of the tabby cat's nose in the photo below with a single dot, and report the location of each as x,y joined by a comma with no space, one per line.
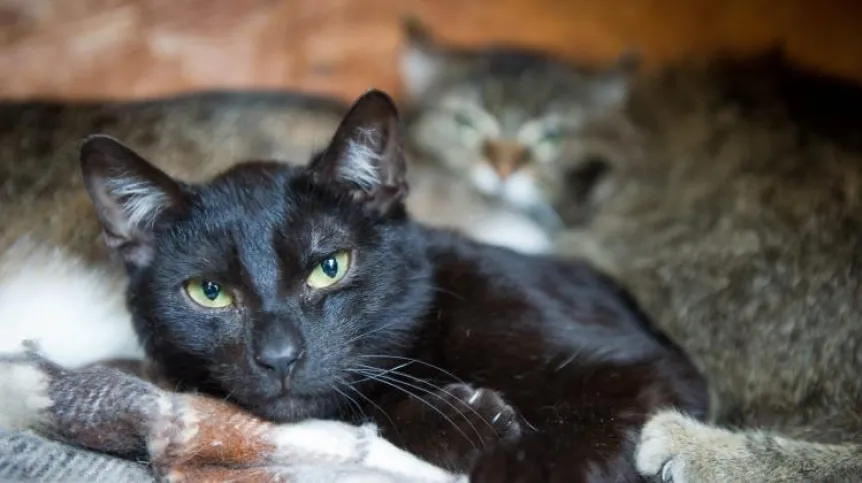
505,156
280,359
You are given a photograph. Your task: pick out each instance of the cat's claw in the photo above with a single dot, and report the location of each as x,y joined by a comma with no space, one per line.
662,440
452,426
667,472
679,449
487,404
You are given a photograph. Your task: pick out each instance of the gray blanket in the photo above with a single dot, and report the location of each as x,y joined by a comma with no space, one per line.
26,456
64,425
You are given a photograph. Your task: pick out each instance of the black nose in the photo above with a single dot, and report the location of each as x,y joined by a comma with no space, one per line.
280,359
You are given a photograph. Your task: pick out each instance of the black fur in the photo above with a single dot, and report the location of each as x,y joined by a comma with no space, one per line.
552,340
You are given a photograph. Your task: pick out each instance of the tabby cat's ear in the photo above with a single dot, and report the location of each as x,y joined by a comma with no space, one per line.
422,61
365,155
130,196
612,87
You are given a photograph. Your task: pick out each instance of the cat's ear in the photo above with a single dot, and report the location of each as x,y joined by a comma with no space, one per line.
422,61
130,196
365,155
613,86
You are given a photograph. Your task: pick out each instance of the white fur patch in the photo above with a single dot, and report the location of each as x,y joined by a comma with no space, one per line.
419,71
143,201
485,179
23,396
520,189
75,313
512,231
360,160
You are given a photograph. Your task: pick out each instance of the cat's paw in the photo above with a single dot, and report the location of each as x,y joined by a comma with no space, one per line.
675,448
454,424
480,413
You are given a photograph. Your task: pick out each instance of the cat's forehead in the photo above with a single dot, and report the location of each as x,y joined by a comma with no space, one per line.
257,190
521,87
265,200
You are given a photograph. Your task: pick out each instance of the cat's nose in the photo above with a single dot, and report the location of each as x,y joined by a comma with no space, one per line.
280,359
505,156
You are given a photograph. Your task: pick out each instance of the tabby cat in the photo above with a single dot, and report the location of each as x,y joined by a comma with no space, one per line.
523,129
725,194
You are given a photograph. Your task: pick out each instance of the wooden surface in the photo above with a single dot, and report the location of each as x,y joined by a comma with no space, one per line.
141,48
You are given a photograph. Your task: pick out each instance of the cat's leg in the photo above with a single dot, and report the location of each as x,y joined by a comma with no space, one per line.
451,426
677,449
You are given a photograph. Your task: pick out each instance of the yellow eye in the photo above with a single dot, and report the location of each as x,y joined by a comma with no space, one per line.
208,294
330,270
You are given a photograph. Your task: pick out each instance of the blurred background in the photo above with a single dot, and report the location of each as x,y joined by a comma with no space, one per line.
142,48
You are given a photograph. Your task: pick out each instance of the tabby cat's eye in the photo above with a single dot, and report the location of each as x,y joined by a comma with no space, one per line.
208,294
330,270
463,121
552,137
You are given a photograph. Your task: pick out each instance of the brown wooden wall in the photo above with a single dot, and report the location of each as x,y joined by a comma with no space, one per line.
138,48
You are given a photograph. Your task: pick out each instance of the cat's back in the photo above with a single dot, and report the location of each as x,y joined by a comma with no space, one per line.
506,318
193,136
533,292
738,230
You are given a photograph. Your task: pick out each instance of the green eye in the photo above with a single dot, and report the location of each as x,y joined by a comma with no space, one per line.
463,121
552,136
208,294
330,270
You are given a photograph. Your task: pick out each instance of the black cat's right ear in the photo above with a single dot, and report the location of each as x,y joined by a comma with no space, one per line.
365,156
130,196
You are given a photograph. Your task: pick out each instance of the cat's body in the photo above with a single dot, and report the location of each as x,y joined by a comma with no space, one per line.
307,292
729,204
739,230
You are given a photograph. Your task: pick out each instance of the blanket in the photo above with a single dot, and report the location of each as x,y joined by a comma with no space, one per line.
100,424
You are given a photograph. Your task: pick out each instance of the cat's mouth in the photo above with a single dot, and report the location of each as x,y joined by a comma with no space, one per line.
286,406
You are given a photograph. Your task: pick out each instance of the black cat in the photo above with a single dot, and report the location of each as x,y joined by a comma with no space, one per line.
304,292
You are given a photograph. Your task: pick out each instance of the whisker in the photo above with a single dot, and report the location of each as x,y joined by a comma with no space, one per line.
387,371
394,383
352,401
363,396
433,386
369,332
417,361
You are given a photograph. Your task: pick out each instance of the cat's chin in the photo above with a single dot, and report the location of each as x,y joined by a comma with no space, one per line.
290,407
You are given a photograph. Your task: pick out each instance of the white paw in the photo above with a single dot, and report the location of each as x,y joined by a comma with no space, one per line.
663,444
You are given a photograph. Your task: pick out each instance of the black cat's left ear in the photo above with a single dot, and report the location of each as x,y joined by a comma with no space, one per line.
365,155
130,196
